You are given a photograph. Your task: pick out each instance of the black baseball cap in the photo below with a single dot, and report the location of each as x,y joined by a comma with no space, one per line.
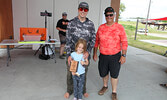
109,9
64,14
83,5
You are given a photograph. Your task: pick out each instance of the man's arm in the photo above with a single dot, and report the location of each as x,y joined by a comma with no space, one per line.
92,40
124,45
96,46
68,40
60,29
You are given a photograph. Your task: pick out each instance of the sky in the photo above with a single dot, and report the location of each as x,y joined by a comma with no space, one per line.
139,8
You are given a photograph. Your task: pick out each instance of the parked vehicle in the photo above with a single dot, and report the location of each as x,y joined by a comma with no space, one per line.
142,30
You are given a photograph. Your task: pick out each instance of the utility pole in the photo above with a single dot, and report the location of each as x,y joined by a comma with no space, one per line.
136,28
147,17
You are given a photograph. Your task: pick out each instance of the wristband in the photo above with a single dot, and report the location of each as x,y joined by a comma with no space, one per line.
124,55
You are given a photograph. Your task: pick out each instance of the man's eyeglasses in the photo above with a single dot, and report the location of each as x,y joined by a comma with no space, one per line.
109,15
85,9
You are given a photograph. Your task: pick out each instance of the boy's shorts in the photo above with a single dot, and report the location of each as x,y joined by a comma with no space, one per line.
109,63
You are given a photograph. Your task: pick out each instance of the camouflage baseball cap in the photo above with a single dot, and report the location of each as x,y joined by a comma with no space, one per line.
83,5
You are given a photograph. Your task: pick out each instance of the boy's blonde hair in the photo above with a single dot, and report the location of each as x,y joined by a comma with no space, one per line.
81,41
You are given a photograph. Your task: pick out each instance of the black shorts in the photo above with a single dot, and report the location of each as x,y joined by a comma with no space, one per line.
109,63
62,39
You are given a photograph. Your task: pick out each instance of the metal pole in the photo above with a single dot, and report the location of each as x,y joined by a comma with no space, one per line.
147,17
136,28
45,21
8,58
53,19
27,11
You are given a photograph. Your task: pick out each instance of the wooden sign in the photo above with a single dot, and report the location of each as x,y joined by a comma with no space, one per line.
74,66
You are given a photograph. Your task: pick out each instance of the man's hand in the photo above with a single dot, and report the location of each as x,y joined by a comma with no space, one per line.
69,60
95,53
63,30
95,57
122,60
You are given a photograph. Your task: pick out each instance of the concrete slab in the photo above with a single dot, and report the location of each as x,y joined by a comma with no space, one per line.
157,42
29,78
158,35
155,34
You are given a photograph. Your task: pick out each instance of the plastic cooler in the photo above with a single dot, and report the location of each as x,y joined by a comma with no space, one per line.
32,37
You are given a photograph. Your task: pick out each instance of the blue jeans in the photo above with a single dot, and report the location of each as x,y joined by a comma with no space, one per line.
78,82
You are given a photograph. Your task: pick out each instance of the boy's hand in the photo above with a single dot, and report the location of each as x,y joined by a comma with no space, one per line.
86,62
82,62
86,55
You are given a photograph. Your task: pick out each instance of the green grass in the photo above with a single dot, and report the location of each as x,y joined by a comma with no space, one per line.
130,28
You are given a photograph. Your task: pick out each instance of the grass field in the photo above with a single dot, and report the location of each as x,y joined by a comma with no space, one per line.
130,28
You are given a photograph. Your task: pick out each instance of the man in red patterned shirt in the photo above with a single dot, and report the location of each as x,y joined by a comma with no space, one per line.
112,42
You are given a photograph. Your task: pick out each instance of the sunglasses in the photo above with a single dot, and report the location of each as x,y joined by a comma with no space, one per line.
109,15
85,9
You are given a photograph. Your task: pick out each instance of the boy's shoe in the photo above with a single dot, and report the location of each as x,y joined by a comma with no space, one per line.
61,57
114,96
103,90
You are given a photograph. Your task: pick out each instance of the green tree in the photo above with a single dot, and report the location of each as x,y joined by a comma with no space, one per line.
122,8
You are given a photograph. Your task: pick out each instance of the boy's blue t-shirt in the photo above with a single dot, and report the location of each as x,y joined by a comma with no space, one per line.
79,58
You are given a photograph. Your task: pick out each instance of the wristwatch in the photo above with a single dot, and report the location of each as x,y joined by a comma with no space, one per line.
124,55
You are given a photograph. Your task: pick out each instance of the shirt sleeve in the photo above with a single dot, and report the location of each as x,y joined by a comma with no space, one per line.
68,40
58,23
92,39
123,37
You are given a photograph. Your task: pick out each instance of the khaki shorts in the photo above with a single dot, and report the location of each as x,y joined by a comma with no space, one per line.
62,39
